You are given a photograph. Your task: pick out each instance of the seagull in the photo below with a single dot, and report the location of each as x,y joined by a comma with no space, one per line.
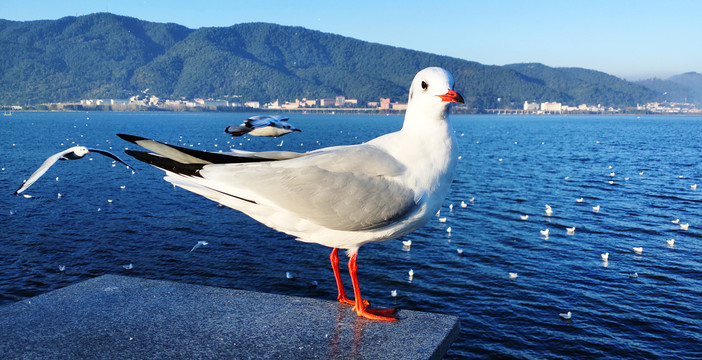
524,217
544,233
393,293
513,275
463,204
459,251
579,200
566,316
684,226
406,243
693,186
596,208
199,243
72,153
638,249
289,275
263,125
671,242
343,196
570,231
676,221
128,267
549,211
62,268
605,256
634,275
442,219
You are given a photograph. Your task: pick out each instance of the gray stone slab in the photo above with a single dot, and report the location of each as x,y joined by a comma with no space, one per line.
117,317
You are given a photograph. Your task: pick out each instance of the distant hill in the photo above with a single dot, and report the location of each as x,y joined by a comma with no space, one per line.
685,87
110,56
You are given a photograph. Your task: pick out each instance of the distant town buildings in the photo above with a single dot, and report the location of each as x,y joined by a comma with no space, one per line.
341,103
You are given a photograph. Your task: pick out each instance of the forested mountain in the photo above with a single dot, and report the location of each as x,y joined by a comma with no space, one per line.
110,56
685,87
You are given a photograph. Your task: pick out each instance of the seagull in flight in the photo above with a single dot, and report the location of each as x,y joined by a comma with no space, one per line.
72,153
263,125
341,197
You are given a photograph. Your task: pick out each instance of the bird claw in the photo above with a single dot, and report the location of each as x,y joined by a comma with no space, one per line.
376,314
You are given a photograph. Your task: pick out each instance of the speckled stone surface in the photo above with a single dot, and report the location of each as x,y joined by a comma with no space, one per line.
117,317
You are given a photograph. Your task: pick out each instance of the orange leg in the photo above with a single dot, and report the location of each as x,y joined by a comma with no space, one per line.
334,257
362,309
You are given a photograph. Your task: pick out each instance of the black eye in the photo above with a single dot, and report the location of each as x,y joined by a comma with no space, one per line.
424,85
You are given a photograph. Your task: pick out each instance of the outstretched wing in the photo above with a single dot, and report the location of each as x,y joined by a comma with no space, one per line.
43,168
112,156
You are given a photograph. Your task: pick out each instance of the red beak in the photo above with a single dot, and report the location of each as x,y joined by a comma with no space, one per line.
452,96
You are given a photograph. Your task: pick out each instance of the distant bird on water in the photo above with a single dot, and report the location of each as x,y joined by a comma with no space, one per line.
566,316
263,125
73,153
549,211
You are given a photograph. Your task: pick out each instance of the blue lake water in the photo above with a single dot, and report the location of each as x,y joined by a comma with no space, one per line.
510,165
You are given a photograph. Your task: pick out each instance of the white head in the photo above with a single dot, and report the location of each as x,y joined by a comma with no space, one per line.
80,151
431,94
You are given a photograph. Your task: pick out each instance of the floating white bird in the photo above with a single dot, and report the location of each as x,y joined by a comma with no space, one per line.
544,232
73,153
570,231
450,207
693,186
459,251
524,217
611,174
463,204
513,275
62,268
393,293
128,267
442,219
448,230
671,242
596,208
579,200
676,221
638,249
684,226
263,125
407,243
342,196
566,316
549,211
199,243
605,256
634,275
472,200
289,275
411,274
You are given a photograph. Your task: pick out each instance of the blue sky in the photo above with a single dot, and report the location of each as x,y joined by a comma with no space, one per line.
632,39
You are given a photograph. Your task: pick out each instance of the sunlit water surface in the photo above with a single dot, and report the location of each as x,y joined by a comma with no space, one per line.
638,170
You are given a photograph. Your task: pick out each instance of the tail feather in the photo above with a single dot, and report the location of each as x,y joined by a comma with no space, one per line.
189,156
166,163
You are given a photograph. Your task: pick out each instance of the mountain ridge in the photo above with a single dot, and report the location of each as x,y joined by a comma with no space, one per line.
111,56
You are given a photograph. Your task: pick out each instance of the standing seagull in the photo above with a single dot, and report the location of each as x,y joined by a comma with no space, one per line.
343,196
263,125
73,153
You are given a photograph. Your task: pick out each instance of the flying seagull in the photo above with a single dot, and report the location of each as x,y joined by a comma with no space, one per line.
73,153
343,196
263,125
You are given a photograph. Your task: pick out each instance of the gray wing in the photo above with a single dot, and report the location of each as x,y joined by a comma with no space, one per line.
42,169
349,188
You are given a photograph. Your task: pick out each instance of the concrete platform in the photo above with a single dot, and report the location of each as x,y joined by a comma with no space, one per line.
117,317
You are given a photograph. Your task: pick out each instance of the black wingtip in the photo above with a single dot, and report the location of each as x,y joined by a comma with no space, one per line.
131,138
